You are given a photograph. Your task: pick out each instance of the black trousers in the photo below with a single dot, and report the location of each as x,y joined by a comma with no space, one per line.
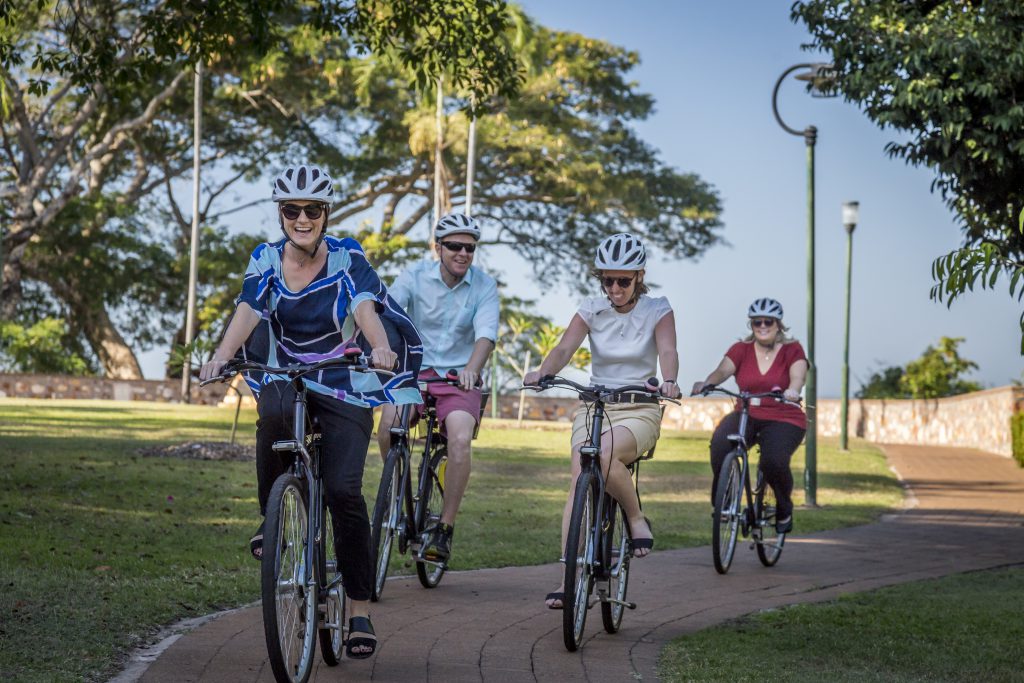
346,435
778,442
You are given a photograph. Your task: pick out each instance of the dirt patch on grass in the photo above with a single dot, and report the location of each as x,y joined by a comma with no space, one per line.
201,450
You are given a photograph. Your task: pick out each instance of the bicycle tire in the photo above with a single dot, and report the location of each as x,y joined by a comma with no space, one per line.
579,557
726,515
428,508
289,607
769,542
386,513
616,555
332,603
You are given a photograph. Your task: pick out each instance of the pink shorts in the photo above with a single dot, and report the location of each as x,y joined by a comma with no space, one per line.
450,399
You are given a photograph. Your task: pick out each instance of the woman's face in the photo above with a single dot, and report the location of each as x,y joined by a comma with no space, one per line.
764,329
300,228
619,285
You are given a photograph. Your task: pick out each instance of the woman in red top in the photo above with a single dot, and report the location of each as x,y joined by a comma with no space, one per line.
767,360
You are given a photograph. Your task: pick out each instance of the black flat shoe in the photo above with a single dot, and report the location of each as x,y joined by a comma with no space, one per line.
784,526
560,596
256,544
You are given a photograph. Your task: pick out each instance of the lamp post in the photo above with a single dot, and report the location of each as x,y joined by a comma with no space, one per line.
819,75
851,211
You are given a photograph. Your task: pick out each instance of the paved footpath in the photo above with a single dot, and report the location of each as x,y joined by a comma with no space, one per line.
491,625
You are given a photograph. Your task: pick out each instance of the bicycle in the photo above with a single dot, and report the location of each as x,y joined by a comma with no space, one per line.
400,515
757,518
598,546
300,584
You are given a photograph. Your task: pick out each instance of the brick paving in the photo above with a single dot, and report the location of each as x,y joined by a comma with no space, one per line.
491,625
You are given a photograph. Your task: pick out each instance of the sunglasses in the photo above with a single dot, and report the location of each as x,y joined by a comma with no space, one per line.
762,322
459,246
622,282
292,211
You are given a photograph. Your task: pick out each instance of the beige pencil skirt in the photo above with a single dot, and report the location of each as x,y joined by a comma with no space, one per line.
643,420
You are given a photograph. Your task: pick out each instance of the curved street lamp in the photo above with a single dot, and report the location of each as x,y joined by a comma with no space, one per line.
820,78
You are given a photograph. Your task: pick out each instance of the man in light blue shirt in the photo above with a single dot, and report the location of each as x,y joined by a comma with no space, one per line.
455,308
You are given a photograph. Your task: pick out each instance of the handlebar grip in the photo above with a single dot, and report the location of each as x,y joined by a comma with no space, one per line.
653,382
452,374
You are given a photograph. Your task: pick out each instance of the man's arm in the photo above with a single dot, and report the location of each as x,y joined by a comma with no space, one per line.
471,373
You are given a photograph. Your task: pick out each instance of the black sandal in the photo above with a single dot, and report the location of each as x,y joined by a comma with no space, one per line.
256,544
560,596
362,625
642,543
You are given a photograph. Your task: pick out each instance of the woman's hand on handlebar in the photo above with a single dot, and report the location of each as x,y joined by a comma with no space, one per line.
383,358
211,368
669,390
697,388
532,378
791,395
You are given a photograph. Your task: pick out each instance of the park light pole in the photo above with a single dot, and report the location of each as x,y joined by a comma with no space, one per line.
820,78
851,211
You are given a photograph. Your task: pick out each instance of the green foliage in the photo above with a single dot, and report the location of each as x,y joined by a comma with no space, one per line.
946,76
40,348
885,383
937,372
1017,429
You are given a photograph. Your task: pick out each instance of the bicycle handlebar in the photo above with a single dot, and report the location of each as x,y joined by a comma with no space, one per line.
353,359
451,377
597,391
745,396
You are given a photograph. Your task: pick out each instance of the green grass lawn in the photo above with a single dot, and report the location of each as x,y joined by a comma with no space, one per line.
965,627
100,546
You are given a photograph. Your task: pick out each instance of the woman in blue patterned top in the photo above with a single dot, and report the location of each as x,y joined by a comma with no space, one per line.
304,299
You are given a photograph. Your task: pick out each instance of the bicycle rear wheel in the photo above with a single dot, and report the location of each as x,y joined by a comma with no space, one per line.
769,541
288,586
726,516
386,515
428,512
616,554
332,604
579,561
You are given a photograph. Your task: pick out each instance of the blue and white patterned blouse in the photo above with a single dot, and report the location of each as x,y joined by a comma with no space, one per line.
316,323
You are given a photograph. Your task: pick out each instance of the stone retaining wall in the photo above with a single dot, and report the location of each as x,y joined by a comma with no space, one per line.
976,420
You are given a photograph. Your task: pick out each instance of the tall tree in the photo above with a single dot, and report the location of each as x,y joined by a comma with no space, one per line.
95,118
950,77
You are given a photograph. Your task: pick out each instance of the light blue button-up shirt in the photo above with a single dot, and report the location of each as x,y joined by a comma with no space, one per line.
449,319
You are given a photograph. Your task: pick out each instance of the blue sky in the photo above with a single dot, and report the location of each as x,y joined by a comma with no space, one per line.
711,67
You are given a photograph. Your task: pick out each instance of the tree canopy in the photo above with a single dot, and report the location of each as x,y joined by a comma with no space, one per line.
938,372
948,78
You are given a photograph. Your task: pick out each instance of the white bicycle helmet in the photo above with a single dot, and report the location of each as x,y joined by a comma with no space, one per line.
303,182
621,252
457,224
765,308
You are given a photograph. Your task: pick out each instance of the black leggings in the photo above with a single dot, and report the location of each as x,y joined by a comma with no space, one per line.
346,435
778,441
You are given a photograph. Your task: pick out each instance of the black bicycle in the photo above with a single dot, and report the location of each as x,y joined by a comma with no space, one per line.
598,546
301,586
399,514
731,517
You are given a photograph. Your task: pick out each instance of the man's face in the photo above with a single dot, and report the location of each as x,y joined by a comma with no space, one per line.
454,254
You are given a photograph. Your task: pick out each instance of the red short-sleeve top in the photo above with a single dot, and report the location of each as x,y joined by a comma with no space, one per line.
749,378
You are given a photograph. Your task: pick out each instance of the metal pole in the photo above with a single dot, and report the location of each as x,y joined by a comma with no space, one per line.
470,166
811,440
522,394
439,132
844,416
193,263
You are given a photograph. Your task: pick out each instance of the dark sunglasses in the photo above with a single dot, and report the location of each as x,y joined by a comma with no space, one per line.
762,322
459,246
292,211
623,282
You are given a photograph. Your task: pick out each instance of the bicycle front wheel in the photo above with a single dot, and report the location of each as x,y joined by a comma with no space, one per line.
386,513
616,553
769,541
428,512
288,585
726,516
332,602
579,561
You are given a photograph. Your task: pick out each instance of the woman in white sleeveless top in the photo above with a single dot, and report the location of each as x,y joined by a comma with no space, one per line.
630,335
